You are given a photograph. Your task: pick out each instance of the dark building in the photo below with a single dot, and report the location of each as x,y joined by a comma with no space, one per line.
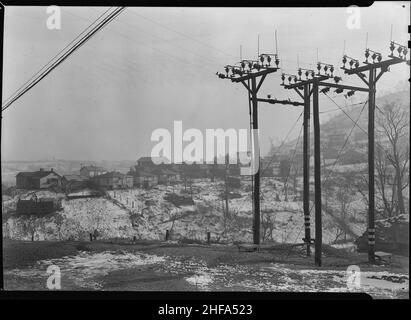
92,171
152,161
113,180
72,182
37,206
41,179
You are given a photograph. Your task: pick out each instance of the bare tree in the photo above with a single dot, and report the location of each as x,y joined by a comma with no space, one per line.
268,225
361,186
385,180
174,215
327,187
328,183
31,226
394,126
344,198
285,167
295,176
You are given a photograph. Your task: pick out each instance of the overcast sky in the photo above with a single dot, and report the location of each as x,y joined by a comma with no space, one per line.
152,66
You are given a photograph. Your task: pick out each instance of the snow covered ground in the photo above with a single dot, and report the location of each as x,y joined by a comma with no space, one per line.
88,271
78,218
154,215
145,214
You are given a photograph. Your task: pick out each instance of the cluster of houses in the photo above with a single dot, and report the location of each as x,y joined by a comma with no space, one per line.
151,171
147,173
88,177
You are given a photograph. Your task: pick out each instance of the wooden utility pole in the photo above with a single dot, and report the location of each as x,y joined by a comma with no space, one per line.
305,86
316,81
226,194
375,70
244,72
256,233
306,104
317,177
306,169
371,167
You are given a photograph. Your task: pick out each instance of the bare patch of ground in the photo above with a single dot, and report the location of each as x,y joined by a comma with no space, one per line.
155,265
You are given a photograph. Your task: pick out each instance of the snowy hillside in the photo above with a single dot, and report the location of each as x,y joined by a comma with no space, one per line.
145,214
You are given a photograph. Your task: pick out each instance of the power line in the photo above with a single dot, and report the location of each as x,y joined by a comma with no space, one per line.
184,35
204,58
73,48
164,53
334,164
379,145
293,156
345,107
291,159
348,116
346,140
282,144
54,57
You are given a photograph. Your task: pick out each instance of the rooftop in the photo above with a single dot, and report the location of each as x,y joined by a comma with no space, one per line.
93,168
74,177
154,160
36,174
112,174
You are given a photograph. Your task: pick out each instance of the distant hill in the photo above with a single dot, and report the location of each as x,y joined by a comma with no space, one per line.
341,124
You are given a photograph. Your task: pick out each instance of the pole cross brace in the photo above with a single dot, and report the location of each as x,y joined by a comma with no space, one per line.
285,102
383,64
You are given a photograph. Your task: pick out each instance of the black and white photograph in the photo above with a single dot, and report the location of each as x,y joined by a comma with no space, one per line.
206,149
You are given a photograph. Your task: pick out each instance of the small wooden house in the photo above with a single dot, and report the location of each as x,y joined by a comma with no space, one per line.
72,182
113,180
92,171
145,179
41,179
166,176
37,206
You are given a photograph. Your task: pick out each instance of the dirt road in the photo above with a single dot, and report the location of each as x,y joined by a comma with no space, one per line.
146,266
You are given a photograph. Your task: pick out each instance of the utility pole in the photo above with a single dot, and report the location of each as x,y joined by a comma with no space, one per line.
306,85
317,177
371,167
377,65
306,155
315,81
243,72
306,169
306,104
257,222
226,193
